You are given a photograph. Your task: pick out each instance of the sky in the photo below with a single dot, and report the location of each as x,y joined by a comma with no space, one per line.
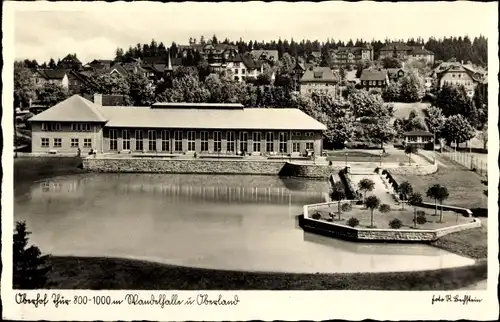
94,30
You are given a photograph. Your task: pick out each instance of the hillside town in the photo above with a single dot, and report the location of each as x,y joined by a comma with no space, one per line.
404,76
217,147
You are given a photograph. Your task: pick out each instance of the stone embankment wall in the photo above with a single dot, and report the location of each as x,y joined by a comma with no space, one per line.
257,167
382,235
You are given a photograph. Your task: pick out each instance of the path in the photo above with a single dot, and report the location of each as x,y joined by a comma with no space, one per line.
379,190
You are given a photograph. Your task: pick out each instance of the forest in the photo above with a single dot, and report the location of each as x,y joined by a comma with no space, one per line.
463,49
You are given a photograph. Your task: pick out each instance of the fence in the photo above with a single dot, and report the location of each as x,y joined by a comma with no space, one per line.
468,160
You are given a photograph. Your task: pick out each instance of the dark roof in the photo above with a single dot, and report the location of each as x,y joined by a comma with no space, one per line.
265,54
74,59
373,75
52,73
154,60
397,46
417,133
420,50
320,75
119,68
393,72
249,62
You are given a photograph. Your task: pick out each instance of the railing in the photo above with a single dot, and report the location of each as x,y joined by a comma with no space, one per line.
467,160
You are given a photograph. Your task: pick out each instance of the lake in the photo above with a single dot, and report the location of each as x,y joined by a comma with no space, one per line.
209,221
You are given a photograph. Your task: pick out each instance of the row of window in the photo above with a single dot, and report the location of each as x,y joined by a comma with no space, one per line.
373,83
460,82
75,127
75,143
204,137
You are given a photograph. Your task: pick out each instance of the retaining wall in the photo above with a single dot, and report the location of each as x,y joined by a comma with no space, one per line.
257,167
382,235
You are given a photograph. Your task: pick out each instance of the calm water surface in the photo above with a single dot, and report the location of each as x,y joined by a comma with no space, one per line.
226,222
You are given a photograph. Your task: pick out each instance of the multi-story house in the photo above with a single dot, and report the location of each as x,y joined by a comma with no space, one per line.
457,74
212,53
420,53
374,78
70,62
345,56
320,80
404,52
298,71
395,50
243,67
54,76
98,64
77,82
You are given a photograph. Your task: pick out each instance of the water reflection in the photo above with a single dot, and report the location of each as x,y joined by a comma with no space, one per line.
230,222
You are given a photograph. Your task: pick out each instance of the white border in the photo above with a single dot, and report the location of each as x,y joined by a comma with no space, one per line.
264,305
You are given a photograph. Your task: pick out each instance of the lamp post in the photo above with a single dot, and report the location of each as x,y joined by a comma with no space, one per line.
345,152
434,149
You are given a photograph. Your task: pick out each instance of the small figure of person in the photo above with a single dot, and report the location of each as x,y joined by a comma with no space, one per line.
78,152
91,151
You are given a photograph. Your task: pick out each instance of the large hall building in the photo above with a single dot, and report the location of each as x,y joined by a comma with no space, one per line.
174,128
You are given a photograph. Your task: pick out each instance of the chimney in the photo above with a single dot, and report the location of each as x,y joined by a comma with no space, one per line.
98,99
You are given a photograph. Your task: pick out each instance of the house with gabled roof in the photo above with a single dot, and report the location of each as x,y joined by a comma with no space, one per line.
420,53
348,56
70,62
456,74
374,78
405,52
319,80
395,74
269,56
174,128
53,76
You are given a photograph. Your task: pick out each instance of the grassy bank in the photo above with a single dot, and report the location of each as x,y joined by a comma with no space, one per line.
116,274
466,190
471,243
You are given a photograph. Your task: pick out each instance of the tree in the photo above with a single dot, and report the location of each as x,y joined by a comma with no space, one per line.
390,62
24,87
372,203
454,100
414,200
384,208
141,91
52,64
405,190
435,120
51,93
187,89
338,193
457,129
483,136
392,93
409,150
438,193
361,65
412,88
29,266
366,185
